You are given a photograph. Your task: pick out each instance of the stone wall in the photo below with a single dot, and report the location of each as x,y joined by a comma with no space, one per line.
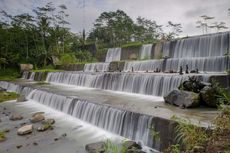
130,53
116,66
71,67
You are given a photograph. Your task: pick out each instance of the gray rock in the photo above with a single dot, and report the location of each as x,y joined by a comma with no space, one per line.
135,150
98,147
2,89
21,98
26,129
48,121
208,96
34,114
198,149
131,144
185,99
15,117
37,118
42,128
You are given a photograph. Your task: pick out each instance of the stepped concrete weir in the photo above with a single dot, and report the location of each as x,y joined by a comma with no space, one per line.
124,114
129,101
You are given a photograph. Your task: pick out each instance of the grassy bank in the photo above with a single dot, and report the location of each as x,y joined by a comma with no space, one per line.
9,74
5,96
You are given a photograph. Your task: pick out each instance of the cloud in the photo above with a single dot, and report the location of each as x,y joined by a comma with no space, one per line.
83,14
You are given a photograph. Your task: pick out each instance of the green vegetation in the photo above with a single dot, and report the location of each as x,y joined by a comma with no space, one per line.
113,148
43,37
188,134
192,137
2,136
42,83
46,70
9,74
5,96
154,133
132,45
48,126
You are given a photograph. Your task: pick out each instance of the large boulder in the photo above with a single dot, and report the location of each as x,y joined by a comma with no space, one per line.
131,144
184,99
26,67
193,84
208,96
37,118
26,129
21,98
2,89
15,117
98,147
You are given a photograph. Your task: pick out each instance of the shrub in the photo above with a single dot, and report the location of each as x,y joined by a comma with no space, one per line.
67,59
189,135
113,148
132,45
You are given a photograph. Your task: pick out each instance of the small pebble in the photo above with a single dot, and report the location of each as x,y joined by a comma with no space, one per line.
19,146
64,135
56,139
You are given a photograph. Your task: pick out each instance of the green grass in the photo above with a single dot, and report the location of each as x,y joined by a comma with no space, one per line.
113,148
9,74
46,70
132,45
2,136
41,83
5,96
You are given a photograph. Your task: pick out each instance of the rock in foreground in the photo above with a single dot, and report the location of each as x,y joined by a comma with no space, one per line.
37,118
98,147
25,130
15,117
21,98
208,96
184,99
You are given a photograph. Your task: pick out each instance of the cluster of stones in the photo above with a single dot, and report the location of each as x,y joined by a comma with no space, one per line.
99,147
193,93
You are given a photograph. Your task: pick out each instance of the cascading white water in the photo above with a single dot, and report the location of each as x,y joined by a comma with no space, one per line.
24,90
203,64
131,125
25,75
100,67
32,75
199,46
148,84
113,54
145,51
147,65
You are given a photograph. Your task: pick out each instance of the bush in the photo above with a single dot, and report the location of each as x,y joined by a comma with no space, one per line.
67,59
189,135
9,74
113,148
132,45
85,56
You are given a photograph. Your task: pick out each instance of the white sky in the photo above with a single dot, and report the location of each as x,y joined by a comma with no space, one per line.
186,12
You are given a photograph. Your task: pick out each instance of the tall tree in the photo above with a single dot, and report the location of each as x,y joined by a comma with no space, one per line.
113,28
147,30
175,30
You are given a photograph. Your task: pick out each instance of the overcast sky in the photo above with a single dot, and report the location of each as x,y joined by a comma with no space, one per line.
186,12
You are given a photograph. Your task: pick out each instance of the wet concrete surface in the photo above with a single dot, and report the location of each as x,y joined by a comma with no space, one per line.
149,105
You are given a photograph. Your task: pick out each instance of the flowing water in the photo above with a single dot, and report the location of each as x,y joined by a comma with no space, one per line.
113,54
145,51
198,46
205,53
141,83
